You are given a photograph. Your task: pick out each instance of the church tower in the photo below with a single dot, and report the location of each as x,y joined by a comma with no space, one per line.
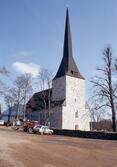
68,85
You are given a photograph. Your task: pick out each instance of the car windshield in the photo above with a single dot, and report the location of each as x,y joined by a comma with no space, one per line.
45,127
38,126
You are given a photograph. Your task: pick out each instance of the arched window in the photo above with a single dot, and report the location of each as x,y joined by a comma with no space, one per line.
76,114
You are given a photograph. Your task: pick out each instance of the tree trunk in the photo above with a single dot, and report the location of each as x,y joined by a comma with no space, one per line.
113,113
113,121
9,114
109,58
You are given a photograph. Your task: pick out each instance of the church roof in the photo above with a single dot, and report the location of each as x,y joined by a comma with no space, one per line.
40,101
68,66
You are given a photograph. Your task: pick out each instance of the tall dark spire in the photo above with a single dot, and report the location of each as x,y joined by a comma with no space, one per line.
68,66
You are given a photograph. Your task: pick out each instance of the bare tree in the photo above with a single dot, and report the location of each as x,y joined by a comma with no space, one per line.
3,72
27,89
23,90
2,88
96,112
45,78
104,88
116,64
9,100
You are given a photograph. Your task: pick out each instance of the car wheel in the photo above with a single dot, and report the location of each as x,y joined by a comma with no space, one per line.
25,129
30,130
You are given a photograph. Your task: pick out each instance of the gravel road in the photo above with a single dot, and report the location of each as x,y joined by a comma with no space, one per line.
19,149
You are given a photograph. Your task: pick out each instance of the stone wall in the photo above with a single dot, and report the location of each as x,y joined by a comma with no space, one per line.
75,116
59,89
86,134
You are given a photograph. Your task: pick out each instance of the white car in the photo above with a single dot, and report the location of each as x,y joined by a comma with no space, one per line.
45,130
42,129
1,122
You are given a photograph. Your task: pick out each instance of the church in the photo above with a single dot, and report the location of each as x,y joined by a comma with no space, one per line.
65,102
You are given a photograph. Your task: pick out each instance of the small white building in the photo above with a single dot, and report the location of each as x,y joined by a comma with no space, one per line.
67,109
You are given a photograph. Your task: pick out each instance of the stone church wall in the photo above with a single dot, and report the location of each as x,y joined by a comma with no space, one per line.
75,116
59,89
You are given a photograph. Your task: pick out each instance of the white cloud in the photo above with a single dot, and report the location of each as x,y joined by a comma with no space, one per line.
22,68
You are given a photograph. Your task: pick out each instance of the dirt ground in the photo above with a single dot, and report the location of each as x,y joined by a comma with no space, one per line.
19,149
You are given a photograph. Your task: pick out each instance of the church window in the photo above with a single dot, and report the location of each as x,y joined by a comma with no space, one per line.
76,114
76,127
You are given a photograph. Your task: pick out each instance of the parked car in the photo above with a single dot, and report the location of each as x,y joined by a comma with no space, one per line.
1,122
29,125
36,128
42,129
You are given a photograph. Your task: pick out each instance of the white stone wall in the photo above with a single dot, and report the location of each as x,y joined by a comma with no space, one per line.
59,89
75,102
73,91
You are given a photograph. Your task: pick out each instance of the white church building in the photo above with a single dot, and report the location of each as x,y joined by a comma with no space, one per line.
67,107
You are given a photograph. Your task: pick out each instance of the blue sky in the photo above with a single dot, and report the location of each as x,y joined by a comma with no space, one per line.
32,33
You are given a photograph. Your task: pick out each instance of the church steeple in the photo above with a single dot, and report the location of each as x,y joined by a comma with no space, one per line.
68,66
